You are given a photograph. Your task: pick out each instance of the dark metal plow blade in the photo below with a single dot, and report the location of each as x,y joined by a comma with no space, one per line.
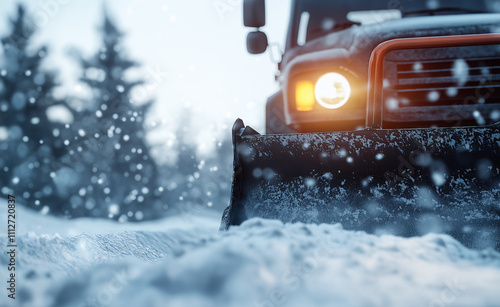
403,182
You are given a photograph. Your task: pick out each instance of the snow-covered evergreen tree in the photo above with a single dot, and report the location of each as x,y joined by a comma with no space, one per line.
187,165
217,174
29,143
198,180
118,177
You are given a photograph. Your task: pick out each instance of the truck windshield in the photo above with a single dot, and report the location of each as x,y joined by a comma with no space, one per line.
314,18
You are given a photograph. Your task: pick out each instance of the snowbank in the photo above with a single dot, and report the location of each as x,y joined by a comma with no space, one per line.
260,263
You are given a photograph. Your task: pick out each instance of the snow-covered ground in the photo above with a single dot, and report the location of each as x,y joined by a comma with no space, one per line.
184,261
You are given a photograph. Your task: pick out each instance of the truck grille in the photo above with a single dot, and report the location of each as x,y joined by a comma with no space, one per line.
447,82
457,86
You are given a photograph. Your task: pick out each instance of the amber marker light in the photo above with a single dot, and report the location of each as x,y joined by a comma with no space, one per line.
304,96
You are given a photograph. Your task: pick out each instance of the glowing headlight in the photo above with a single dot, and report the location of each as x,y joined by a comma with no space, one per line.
332,90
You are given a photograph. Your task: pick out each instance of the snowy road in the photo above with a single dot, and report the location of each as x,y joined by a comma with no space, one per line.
183,261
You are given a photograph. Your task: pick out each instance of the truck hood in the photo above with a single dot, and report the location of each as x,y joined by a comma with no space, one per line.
358,42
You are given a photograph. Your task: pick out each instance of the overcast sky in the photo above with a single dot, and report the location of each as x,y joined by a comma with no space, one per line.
197,47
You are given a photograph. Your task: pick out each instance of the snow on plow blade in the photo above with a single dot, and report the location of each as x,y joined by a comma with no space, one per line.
402,182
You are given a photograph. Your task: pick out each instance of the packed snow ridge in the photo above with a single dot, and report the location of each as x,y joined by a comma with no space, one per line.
184,261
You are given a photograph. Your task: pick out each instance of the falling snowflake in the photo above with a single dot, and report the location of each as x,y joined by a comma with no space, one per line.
433,96
460,71
310,182
114,209
392,103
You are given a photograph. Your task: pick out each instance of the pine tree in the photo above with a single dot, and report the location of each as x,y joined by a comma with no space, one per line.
118,176
29,146
199,181
218,173
187,162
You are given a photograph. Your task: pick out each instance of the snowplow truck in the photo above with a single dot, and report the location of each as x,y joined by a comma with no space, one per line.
386,121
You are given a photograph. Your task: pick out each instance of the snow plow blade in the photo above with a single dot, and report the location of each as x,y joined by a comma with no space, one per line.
402,182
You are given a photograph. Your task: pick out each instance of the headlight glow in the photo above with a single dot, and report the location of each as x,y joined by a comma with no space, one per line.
332,90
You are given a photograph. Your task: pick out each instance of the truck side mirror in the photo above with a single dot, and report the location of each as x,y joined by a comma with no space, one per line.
256,42
254,13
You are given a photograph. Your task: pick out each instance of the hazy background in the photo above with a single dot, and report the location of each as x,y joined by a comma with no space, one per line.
193,53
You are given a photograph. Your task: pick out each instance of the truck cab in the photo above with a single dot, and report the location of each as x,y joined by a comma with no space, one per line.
324,71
